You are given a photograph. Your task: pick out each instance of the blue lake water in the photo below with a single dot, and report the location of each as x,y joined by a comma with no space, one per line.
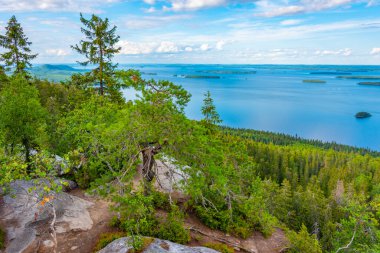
275,99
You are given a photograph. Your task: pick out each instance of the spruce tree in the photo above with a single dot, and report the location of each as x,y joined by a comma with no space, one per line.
211,116
17,53
99,47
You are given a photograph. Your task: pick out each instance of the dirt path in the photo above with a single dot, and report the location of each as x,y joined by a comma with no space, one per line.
85,241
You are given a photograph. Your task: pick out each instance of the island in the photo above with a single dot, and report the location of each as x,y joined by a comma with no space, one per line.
360,77
370,83
202,77
313,81
362,115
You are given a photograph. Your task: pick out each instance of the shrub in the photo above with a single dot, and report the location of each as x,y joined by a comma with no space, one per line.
303,242
173,228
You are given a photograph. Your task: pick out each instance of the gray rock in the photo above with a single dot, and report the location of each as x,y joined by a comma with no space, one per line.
123,245
26,219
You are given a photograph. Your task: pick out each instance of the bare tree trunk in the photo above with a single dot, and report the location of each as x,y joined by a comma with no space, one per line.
26,144
101,71
148,164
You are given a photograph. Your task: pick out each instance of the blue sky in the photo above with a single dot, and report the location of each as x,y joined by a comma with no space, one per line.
209,31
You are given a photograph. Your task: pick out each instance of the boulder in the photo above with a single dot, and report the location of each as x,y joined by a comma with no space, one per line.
26,216
123,245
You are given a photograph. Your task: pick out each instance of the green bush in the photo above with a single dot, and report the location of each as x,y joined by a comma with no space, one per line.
173,228
302,242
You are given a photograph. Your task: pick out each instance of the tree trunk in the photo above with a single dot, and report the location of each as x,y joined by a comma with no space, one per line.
148,164
26,144
101,71
148,172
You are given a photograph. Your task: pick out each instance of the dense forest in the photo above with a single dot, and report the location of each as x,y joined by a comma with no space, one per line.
325,196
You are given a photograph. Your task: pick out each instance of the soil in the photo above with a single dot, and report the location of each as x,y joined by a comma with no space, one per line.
85,241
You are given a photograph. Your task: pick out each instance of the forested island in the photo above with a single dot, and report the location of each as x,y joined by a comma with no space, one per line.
322,197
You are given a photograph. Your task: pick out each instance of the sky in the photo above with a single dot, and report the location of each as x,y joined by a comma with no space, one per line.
208,31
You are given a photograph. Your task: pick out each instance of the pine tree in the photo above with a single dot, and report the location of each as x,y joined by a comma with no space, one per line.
99,49
211,116
18,54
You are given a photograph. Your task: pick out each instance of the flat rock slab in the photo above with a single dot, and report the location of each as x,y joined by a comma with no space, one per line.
26,219
123,245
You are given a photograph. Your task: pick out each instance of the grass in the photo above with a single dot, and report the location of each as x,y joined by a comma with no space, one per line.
219,247
313,81
360,77
107,238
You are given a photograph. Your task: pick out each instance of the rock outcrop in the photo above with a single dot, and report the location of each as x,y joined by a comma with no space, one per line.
27,219
123,245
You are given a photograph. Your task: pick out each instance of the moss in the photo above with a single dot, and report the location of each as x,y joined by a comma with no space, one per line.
223,248
107,238
2,239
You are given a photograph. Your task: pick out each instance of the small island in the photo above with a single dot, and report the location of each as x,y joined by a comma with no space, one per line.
360,77
370,83
313,81
202,77
329,73
362,115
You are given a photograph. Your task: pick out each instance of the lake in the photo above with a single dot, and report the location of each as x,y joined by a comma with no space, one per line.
276,99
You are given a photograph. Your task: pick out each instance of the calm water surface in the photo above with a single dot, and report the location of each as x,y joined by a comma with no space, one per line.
275,99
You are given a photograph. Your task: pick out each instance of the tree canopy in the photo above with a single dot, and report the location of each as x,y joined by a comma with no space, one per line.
17,55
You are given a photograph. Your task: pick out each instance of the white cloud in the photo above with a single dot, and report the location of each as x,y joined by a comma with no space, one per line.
148,22
151,2
269,8
133,48
188,49
57,52
150,10
290,22
375,51
220,44
341,52
191,5
167,47
205,47
53,5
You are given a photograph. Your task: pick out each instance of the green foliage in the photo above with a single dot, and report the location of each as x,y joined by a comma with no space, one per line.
99,48
211,116
220,247
302,242
137,217
22,118
18,54
137,213
172,229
